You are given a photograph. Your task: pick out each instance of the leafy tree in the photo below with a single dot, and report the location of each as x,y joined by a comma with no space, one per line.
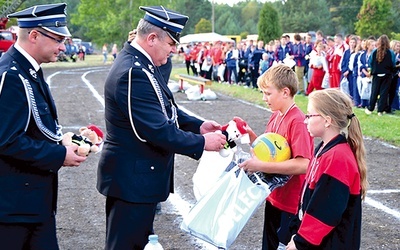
109,21
395,11
374,18
251,11
195,10
244,34
395,36
226,24
344,15
203,26
303,16
269,26
250,15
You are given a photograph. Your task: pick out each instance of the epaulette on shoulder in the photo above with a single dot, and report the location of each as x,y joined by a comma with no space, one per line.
135,63
9,66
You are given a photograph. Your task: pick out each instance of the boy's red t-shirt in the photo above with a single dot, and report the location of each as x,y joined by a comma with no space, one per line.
293,128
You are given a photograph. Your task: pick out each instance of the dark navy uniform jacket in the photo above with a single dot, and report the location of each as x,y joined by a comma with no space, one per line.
137,159
29,160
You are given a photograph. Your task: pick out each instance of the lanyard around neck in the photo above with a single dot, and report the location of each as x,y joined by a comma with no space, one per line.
276,127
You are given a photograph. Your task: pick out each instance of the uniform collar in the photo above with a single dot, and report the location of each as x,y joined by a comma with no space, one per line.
141,50
33,62
335,141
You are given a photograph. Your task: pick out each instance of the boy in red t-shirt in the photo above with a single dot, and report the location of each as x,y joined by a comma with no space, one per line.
279,85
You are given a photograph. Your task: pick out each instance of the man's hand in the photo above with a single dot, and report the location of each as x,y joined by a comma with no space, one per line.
252,164
209,126
71,157
291,245
132,35
214,141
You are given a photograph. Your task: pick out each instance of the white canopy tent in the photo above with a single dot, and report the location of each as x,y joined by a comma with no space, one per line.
204,37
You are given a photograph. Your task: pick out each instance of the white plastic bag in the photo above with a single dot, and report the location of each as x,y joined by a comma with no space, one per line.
221,214
174,86
344,86
193,93
289,62
210,169
208,94
221,71
325,82
366,84
206,66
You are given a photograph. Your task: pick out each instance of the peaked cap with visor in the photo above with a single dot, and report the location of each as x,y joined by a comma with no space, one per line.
50,17
170,21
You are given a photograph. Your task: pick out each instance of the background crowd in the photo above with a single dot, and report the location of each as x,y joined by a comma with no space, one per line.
319,62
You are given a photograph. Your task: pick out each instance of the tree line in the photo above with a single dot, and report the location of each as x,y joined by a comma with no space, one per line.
109,21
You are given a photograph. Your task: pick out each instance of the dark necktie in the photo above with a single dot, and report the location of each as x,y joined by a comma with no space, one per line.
47,93
43,85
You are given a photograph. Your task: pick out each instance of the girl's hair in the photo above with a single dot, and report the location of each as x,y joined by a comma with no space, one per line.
368,43
318,42
358,48
393,45
383,47
353,38
338,106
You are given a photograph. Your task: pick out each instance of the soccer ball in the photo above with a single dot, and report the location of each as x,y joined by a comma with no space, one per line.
271,147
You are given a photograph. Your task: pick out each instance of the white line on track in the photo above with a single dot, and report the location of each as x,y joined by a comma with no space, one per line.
90,86
86,81
380,206
384,191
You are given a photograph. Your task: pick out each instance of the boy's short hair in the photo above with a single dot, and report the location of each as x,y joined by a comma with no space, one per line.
280,76
297,37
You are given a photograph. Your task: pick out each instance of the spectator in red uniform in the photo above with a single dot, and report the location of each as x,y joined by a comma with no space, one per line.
319,66
338,52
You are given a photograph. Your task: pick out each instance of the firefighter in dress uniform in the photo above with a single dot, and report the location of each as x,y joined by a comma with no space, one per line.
145,128
30,149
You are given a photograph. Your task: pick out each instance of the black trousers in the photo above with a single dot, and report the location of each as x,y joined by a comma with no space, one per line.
29,236
254,75
187,63
380,87
392,92
128,225
242,73
279,226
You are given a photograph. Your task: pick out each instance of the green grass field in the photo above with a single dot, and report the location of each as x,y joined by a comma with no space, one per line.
90,60
386,127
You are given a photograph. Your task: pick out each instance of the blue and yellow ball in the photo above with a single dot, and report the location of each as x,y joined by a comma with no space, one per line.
271,147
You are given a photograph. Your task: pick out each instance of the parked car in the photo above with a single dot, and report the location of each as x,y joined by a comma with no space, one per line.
89,47
7,38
